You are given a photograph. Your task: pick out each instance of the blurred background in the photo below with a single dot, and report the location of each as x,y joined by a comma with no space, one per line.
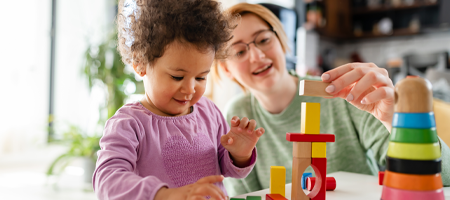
62,77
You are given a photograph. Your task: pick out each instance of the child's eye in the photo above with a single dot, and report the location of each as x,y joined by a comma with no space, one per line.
177,78
200,79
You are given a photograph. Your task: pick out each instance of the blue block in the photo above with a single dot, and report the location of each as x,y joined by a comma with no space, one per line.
304,176
414,120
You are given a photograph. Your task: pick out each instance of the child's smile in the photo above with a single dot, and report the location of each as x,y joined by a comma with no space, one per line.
177,80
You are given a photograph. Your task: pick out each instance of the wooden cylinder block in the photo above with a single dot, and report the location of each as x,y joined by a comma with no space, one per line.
413,95
412,181
409,135
414,120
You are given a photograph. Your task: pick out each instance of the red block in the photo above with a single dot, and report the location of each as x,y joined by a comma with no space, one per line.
275,197
320,168
380,177
331,183
301,137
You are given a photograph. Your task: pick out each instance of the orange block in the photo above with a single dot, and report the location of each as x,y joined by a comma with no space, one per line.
412,181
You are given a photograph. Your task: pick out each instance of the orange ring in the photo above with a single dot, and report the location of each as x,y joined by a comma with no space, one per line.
412,181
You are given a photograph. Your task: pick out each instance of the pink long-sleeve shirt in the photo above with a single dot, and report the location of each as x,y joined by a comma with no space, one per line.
142,152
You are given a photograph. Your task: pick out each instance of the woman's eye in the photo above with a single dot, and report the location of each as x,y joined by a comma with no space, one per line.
177,78
200,79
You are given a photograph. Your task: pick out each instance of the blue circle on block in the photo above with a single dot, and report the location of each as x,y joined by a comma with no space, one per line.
304,176
414,120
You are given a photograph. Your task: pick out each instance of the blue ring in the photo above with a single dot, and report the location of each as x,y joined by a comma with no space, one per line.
414,120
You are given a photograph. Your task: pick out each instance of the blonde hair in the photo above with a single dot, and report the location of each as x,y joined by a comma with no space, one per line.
267,16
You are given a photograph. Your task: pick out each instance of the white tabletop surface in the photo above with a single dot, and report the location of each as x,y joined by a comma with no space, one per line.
349,186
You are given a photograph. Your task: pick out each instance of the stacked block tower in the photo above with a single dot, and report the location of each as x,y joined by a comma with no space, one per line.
413,158
309,149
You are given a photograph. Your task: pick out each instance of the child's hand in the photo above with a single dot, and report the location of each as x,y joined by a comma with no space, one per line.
241,140
198,190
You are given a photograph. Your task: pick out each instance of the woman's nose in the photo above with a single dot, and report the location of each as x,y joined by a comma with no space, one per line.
256,54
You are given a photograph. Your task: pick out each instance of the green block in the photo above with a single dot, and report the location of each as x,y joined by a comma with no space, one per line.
418,136
253,198
237,199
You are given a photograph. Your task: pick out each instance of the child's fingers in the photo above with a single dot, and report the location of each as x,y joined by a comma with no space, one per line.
235,121
208,189
244,123
260,131
251,126
226,140
211,179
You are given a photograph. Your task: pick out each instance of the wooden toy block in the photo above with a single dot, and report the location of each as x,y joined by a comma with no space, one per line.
412,181
319,150
414,120
413,166
411,151
253,198
304,176
380,177
237,199
313,88
310,118
275,197
299,165
409,135
330,185
301,150
277,180
396,194
301,137
413,95
320,168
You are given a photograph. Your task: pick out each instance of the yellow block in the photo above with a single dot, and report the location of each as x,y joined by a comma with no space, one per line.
277,180
310,122
414,151
319,150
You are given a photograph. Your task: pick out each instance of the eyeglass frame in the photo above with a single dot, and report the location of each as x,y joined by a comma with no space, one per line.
254,40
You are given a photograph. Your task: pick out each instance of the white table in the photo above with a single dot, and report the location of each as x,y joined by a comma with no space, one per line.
349,186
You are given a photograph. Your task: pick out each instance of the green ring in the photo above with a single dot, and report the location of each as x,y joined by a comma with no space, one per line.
410,151
409,135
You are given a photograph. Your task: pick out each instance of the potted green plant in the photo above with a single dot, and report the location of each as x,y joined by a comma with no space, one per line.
103,66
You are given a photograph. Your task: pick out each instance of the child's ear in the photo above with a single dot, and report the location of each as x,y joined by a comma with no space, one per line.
225,70
139,69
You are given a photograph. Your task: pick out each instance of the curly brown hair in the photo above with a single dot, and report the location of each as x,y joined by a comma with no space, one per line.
146,27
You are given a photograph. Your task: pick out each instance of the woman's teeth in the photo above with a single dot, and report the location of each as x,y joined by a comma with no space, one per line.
262,70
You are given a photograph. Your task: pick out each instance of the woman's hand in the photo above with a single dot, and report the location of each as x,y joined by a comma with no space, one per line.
366,86
241,140
196,191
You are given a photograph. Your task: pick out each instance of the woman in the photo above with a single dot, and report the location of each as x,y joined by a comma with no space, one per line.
359,114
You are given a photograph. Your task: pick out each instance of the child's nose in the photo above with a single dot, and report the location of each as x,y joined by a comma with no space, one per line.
188,87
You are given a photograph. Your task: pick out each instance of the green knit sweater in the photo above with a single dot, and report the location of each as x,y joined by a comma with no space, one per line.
361,140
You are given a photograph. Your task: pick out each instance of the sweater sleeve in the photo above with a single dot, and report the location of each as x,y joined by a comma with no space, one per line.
445,163
373,135
115,176
228,169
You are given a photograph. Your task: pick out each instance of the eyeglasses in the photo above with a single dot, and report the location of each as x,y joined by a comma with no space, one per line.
239,52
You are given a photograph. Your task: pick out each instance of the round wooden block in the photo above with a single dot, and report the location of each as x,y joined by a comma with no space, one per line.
397,194
411,151
330,185
413,166
414,120
408,135
412,181
413,95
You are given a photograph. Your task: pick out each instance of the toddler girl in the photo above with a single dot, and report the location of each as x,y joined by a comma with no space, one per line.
174,143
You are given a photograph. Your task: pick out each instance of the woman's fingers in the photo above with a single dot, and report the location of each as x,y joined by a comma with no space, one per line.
337,72
373,79
379,94
347,79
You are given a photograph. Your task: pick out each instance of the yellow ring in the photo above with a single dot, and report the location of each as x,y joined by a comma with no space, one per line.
414,151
